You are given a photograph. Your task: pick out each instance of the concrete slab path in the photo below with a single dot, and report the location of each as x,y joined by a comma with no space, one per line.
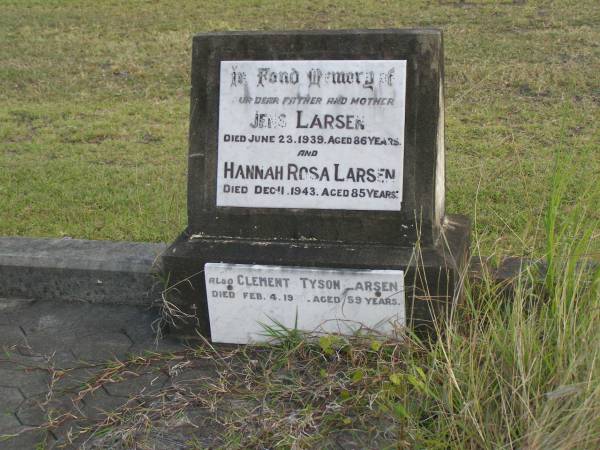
51,353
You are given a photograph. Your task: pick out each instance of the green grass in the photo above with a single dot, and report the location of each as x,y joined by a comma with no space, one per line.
94,106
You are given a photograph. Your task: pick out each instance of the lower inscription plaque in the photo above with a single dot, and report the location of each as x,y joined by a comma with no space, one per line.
243,298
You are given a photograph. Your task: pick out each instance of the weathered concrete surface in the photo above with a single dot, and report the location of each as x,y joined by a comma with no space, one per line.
79,270
50,350
148,395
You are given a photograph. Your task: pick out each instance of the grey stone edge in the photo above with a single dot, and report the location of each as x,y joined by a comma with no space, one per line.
128,273
105,272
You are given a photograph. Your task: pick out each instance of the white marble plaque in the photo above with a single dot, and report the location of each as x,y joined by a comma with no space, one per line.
241,298
323,134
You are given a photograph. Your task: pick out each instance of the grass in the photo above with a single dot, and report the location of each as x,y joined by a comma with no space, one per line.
94,106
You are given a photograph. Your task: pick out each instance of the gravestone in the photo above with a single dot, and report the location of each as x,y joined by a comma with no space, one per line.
315,186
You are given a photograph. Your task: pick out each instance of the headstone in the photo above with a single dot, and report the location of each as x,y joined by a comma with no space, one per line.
315,186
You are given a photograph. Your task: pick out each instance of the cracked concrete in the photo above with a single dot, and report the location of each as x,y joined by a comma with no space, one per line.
40,339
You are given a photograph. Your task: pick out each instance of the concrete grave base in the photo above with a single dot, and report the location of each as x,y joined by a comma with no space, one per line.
79,270
433,275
